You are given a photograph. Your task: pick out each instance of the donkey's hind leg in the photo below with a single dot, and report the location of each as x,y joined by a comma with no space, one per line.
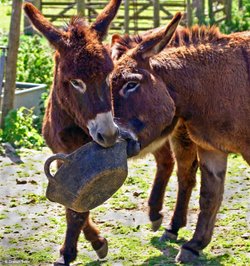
165,165
186,157
213,168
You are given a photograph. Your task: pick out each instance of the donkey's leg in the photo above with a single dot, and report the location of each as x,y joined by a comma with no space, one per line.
165,165
213,168
75,223
246,156
186,157
99,243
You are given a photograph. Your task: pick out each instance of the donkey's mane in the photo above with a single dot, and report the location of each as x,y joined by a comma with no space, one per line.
196,35
183,36
75,23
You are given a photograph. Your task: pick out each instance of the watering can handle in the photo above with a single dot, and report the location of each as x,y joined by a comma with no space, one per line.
58,156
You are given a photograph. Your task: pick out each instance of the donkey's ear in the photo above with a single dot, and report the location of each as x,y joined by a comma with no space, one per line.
104,19
117,47
54,36
116,38
157,41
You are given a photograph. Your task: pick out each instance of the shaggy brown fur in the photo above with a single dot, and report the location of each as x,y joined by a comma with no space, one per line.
203,83
79,104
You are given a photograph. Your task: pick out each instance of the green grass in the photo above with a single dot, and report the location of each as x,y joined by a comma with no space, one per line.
5,12
37,232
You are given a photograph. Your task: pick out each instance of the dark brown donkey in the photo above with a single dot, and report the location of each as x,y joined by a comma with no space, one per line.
79,105
185,154
198,93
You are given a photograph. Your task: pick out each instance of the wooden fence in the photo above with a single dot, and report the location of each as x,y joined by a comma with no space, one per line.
138,15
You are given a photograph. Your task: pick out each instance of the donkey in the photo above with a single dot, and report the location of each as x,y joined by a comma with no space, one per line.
79,105
164,157
196,93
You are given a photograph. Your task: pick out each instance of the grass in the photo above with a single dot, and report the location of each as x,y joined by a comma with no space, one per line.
32,228
5,12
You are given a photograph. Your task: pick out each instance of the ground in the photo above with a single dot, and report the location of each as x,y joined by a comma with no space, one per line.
32,228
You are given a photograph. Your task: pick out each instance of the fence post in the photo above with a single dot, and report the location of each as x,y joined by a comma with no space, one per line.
13,44
228,9
81,5
2,66
126,16
210,11
200,7
28,29
240,5
189,13
156,13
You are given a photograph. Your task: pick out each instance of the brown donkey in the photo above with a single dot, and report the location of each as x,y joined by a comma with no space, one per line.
79,105
198,93
185,155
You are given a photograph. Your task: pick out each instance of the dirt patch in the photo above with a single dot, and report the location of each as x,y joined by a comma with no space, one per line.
32,228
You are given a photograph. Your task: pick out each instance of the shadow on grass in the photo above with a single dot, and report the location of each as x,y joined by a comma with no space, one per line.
169,252
96,263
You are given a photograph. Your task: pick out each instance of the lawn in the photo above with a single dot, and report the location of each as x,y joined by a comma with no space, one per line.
32,228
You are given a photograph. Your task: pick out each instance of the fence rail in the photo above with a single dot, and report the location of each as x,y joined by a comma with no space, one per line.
138,15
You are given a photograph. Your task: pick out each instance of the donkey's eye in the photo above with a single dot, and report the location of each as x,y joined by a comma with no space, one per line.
128,88
78,84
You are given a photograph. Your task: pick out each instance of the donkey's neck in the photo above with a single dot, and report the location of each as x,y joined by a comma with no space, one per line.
201,69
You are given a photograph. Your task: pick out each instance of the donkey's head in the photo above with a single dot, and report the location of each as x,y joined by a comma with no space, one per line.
82,65
142,104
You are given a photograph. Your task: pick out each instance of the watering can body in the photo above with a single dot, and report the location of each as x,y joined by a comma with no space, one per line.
88,176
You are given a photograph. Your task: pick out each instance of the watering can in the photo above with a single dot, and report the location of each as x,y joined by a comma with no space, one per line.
88,176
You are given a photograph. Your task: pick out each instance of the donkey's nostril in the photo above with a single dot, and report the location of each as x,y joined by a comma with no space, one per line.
100,138
107,140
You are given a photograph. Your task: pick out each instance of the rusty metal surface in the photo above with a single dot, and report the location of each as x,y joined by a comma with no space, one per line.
88,176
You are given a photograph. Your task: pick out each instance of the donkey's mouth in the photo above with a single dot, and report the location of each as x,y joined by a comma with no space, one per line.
133,145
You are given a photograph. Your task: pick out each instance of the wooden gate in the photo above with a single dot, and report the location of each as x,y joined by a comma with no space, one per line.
140,15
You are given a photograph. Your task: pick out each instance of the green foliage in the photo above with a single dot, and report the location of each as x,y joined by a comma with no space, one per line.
35,62
19,129
240,19
34,65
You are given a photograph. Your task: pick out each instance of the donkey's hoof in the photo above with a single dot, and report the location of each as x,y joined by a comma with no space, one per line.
168,236
186,255
156,224
103,251
61,262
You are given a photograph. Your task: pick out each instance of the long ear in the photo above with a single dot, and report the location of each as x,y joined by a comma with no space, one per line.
104,19
157,41
54,36
118,48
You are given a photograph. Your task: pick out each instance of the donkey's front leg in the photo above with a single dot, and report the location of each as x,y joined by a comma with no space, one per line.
213,168
165,164
186,157
75,223
92,234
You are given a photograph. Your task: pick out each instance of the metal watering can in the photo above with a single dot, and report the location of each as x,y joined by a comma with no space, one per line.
88,177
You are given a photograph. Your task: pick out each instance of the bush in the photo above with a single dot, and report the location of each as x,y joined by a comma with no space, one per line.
240,20
35,62
19,129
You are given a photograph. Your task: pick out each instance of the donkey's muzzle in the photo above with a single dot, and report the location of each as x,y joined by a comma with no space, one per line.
133,148
133,145
103,130
107,139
